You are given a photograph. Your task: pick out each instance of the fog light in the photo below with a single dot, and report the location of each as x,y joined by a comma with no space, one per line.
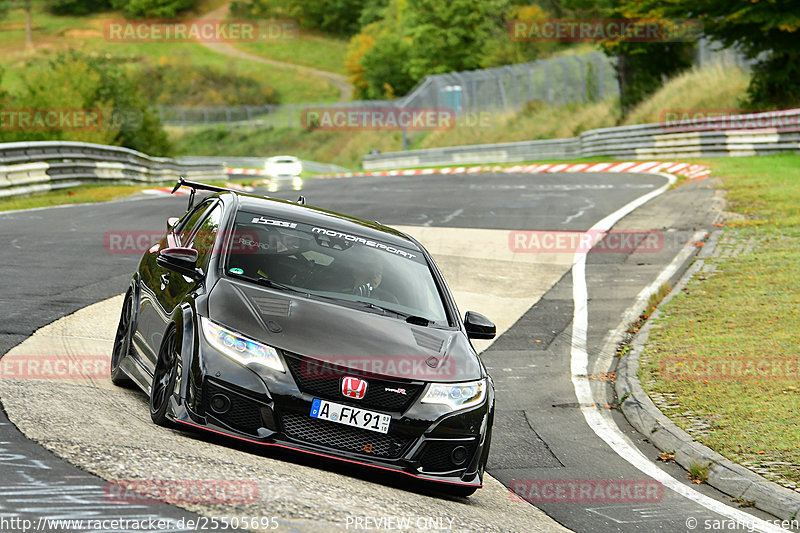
220,404
459,455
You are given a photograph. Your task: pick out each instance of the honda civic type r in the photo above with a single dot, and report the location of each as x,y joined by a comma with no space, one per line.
288,325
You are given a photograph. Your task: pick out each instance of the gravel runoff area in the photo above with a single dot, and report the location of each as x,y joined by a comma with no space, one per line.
107,430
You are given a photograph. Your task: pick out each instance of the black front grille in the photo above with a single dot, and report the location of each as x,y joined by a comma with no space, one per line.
244,414
341,437
436,457
323,380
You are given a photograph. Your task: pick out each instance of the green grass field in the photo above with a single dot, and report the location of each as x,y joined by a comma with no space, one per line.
308,49
748,311
92,193
52,33
73,195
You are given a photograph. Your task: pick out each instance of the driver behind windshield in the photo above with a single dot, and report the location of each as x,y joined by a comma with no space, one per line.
367,275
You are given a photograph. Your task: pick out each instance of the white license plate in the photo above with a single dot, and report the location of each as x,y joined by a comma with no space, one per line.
350,416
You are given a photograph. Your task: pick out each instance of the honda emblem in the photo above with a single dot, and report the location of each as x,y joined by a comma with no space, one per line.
354,388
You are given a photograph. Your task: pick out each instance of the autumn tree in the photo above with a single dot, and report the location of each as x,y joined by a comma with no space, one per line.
641,67
766,31
72,80
338,17
450,36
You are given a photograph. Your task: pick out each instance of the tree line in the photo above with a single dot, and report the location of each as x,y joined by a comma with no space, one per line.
395,43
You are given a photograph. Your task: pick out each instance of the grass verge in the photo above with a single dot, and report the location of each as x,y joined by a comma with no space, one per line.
725,350
84,194
73,195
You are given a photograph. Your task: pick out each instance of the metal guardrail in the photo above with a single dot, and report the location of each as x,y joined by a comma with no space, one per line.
321,168
736,135
28,167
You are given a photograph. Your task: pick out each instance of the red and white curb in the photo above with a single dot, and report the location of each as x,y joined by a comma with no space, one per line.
161,191
691,171
680,169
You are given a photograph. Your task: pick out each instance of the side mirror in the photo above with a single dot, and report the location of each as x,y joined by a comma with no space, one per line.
478,326
171,221
181,260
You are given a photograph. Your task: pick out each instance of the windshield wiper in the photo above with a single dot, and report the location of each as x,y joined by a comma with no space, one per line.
411,319
276,285
263,280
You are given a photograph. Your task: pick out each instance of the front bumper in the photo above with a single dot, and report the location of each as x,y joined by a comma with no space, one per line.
425,441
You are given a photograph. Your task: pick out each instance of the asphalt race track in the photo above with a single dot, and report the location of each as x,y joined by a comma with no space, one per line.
55,262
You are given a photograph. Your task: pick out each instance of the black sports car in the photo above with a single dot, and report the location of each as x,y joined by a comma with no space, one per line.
288,325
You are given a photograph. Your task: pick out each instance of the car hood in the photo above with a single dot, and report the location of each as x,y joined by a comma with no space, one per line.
343,336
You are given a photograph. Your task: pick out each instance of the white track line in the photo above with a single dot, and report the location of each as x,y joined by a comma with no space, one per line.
607,431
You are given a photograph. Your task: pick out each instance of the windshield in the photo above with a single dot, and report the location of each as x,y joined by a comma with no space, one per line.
321,261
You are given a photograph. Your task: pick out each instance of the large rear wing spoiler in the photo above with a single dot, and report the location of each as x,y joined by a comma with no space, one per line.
197,186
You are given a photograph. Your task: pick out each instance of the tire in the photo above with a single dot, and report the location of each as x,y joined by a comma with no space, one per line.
122,343
164,380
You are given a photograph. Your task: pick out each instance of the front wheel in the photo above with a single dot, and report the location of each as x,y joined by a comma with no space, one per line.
122,342
164,379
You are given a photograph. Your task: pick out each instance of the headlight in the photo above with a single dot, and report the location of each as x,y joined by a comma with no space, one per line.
239,347
456,395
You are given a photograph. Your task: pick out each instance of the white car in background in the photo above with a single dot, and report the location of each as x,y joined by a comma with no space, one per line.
283,166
